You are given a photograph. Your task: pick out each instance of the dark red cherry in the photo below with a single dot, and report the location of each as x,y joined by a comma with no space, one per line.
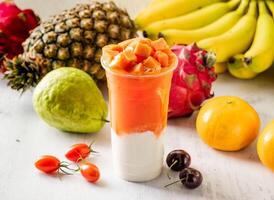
191,178
178,160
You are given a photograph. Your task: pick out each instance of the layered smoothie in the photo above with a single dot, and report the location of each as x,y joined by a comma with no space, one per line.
139,73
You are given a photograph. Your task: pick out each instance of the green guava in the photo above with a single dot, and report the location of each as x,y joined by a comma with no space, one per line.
68,99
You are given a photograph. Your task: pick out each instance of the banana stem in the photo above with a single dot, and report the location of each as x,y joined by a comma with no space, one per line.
233,3
262,7
242,8
270,5
252,10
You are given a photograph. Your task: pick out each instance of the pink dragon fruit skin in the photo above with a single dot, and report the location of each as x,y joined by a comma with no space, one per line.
8,9
191,81
15,27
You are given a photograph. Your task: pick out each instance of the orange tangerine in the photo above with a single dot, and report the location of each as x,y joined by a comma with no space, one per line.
227,123
265,146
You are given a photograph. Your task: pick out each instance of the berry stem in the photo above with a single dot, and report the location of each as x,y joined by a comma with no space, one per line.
91,143
66,166
91,150
66,173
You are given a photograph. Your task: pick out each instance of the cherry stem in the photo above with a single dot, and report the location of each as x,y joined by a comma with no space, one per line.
173,163
174,182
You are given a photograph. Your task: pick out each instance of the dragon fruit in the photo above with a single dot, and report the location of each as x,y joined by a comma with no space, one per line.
15,27
191,81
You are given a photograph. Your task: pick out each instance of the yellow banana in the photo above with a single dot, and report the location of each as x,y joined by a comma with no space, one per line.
260,55
169,9
194,19
238,69
236,40
174,36
270,4
220,67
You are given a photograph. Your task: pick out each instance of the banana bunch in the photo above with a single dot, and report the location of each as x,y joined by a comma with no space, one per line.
240,32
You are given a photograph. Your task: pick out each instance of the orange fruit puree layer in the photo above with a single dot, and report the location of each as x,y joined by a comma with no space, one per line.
139,104
139,73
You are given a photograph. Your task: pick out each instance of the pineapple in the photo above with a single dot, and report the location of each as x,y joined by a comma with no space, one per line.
73,38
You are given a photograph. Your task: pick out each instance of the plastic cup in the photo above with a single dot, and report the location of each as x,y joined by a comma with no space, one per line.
138,116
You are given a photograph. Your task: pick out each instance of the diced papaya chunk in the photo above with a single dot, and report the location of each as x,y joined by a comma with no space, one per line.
119,62
138,69
162,58
140,59
139,55
129,55
151,65
142,50
109,55
133,44
115,47
167,51
159,44
112,53
125,43
146,41
172,59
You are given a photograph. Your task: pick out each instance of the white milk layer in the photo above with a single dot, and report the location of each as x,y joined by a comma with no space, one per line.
137,157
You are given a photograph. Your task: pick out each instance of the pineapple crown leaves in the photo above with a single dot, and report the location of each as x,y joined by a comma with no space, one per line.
21,74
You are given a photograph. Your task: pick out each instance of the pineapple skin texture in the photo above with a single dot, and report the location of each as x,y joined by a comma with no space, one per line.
69,100
74,38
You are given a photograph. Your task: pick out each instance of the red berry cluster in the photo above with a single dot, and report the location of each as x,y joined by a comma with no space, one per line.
77,154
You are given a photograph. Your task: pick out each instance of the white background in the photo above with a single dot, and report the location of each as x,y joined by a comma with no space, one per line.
24,137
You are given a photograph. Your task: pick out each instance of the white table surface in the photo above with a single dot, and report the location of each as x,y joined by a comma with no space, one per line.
24,137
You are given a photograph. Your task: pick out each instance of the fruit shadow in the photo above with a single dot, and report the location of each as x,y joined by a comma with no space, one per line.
101,138
104,89
184,123
267,76
56,176
263,80
167,177
248,154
